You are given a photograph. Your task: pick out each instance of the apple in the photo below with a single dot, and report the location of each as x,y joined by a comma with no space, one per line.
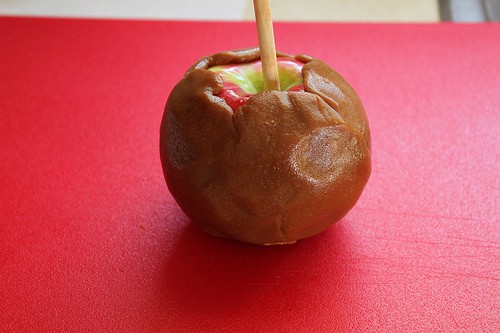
241,81
264,167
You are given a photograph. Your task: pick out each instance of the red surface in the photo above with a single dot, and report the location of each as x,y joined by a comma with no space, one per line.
91,240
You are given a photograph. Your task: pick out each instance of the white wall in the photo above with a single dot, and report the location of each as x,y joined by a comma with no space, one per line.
289,10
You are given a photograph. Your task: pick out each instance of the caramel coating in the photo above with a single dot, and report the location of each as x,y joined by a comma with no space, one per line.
283,167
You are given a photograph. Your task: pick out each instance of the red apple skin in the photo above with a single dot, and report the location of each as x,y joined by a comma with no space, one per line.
234,95
282,167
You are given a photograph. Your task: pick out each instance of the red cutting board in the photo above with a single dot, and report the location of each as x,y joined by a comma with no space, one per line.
92,241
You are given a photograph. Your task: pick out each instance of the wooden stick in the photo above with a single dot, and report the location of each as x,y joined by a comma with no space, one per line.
266,44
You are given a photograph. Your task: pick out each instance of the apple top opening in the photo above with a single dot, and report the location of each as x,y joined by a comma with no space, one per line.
249,76
243,80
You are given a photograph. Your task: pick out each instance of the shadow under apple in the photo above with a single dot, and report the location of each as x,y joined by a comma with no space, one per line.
211,281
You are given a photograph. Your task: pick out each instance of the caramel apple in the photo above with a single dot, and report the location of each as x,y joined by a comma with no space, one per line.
264,167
